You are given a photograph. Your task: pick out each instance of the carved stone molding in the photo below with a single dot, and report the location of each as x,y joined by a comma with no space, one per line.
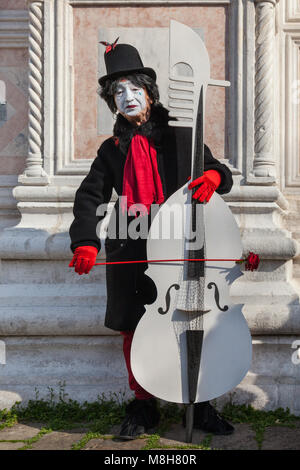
147,2
292,11
290,95
262,2
264,160
34,172
292,117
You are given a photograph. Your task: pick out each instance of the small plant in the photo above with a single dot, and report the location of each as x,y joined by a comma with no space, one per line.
169,413
259,420
32,440
88,436
7,418
58,412
152,442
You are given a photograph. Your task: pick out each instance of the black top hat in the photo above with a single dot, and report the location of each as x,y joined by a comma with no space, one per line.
122,59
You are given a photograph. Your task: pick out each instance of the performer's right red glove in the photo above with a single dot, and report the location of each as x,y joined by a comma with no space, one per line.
84,259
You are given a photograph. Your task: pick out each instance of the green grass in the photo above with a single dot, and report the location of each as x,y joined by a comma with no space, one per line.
170,414
88,436
7,418
37,437
153,442
59,412
259,420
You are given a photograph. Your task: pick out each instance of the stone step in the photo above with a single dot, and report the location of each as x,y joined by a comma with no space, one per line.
275,292
89,365
54,320
48,309
18,271
22,295
270,319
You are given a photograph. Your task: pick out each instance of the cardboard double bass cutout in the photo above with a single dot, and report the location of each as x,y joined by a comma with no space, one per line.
192,345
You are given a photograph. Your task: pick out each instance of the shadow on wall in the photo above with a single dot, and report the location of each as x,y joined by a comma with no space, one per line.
273,380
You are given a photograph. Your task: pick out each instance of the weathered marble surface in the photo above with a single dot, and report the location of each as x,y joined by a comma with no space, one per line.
13,131
13,4
87,70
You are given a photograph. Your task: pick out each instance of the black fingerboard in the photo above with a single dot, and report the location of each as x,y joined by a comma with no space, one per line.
195,269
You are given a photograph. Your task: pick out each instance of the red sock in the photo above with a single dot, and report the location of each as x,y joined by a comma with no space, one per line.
140,393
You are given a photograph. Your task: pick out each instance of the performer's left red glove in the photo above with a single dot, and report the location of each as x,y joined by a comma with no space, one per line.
209,182
84,259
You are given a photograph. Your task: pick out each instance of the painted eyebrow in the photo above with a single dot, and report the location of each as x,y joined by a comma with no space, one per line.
120,85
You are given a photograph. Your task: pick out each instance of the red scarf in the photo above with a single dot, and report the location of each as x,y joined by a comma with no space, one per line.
141,180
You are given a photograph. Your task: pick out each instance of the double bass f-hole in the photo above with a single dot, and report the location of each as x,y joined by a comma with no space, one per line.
168,300
217,296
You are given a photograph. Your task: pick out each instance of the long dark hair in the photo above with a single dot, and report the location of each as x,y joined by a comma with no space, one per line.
141,80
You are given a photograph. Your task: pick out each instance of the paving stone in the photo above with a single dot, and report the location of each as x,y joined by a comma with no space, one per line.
11,445
173,445
275,438
57,440
177,434
243,438
112,444
20,431
281,438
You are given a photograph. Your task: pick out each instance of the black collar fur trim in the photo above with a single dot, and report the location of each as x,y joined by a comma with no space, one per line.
153,128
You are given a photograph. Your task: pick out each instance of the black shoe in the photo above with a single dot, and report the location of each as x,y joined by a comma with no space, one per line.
208,419
141,415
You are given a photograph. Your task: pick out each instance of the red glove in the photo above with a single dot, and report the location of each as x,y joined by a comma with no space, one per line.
209,182
84,259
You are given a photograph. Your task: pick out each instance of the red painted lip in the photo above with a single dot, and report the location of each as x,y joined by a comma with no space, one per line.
131,106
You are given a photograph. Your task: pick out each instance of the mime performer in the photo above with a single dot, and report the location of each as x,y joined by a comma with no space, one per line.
145,161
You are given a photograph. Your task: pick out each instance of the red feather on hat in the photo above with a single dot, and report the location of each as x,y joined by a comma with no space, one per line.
109,46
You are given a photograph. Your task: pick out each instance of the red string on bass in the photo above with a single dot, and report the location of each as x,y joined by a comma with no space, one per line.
167,261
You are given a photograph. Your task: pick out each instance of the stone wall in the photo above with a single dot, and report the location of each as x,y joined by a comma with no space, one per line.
51,324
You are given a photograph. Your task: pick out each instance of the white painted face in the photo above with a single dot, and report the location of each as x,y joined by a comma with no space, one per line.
129,98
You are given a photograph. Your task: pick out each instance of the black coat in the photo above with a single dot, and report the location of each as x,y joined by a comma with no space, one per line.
128,288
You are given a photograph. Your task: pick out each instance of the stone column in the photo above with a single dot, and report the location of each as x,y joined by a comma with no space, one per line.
34,174
264,161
